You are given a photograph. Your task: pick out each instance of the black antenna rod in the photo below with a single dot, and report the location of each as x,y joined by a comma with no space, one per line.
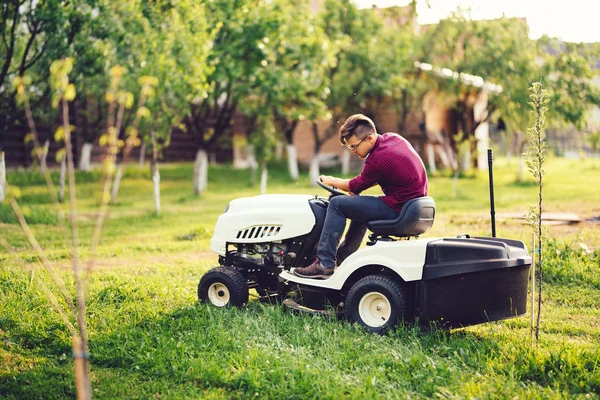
492,209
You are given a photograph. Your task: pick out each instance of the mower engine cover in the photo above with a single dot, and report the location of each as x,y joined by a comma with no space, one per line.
264,218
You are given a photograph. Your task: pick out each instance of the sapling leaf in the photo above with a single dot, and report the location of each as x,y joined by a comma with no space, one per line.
70,92
60,154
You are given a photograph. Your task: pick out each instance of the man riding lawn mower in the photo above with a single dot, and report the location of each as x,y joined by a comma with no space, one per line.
285,247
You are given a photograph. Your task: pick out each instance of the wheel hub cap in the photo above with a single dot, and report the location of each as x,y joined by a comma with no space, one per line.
374,309
218,294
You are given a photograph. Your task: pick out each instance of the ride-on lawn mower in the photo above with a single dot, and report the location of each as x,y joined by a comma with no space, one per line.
454,281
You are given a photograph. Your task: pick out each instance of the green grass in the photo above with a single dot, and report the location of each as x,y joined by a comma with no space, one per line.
150,338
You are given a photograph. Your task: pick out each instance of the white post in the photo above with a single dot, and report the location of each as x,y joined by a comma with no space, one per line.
2,176
314,171
345,161
292,157
263,179
86,156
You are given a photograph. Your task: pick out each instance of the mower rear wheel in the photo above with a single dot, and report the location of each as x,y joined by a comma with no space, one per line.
223,287
377,302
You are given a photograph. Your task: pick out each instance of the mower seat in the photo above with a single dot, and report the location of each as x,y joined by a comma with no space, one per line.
416,217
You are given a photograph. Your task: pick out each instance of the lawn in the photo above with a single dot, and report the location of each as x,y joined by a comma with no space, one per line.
149,337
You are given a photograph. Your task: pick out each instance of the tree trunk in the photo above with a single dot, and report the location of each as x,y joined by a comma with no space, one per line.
467,159
279,151
252,164
44,155
156,182
314,172
63,173
115,190
155,174
445,156
142,159
239,161
86,156
521,168
2,176
455,184
431,157
292,157
200,172
345,162
263,179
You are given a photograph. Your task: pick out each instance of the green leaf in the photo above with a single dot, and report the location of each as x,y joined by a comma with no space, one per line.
70,92
60,154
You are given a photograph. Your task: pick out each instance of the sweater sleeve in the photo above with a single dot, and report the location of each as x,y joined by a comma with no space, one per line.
367,178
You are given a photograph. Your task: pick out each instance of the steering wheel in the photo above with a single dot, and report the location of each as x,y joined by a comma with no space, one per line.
331,189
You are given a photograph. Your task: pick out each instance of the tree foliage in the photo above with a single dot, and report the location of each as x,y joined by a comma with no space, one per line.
291,83
281,61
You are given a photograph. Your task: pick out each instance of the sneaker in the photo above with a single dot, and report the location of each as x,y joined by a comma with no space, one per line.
314,271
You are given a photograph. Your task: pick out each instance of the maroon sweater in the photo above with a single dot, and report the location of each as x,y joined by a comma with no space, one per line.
394,165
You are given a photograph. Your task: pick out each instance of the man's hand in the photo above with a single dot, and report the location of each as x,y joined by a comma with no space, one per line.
328,180
342,184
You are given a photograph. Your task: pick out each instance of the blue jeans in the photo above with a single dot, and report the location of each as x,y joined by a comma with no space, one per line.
360,210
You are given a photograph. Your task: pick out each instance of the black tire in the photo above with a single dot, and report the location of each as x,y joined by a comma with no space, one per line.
223,287
383,298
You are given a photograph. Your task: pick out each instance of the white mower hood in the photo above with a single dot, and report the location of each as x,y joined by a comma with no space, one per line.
264,218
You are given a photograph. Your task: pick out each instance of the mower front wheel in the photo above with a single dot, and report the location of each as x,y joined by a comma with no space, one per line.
223,287
376,302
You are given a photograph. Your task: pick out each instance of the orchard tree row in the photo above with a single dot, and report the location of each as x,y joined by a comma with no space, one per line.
277,62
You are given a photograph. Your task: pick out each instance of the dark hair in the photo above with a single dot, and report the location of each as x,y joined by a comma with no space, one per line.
358,125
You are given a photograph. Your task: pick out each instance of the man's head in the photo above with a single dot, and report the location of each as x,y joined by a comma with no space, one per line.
358,134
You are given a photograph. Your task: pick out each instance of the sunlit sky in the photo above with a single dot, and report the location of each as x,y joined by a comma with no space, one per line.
569,20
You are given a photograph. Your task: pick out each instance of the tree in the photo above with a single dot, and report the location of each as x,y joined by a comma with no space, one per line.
567,72
35,34
594,141
234,59
289,84
351,77
500,52
474,51
536,156
402,83
305,55
164,45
